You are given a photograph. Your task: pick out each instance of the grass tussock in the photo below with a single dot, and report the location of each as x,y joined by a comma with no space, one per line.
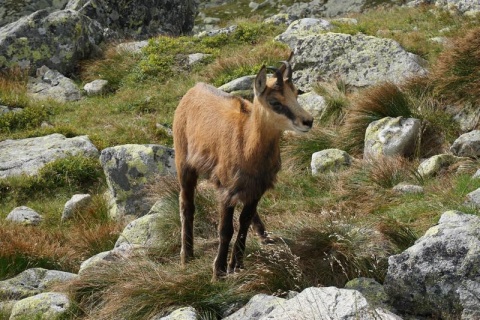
372,104
338,250
456,74
143,289
387,172
57,247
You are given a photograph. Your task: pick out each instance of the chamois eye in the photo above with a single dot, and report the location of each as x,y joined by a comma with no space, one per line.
276,105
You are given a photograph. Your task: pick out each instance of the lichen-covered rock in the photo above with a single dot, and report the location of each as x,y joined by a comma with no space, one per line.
371,290
303,27
391,137
76,203
12,10
467,117
467,7
473,198
210,33
31,282
439,276
139,19
304,9
48,305
187,313
281,18
5,109
196,58
6,308
58,40
27,156
128,168
360,60
259,306
131,47
314,303
329,160
313,103
435,164
408,188
242,83
338,8
122,252
467,145
25,216
96,87
51,84
145,231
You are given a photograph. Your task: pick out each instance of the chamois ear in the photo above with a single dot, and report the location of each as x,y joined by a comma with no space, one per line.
261,81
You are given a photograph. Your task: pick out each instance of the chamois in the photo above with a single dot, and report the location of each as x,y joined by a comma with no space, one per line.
234,143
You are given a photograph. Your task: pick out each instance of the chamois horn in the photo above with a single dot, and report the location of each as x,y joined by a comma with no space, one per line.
278,74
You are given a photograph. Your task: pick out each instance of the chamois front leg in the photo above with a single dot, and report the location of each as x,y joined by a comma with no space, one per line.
246,216
225,232
188,181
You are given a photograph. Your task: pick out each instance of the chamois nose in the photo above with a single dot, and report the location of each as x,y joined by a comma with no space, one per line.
308,122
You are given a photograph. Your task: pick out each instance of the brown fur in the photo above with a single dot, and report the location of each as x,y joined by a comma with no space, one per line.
235,144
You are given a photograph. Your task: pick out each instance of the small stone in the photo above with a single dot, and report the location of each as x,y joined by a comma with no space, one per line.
25,215
76,203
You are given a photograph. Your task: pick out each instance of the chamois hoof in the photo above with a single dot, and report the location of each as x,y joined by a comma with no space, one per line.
267,239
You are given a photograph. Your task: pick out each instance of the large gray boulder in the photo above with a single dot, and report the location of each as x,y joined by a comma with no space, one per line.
51,84
303,27
31,282
359,59
47,305
12,10
27,156
439,275
259,306
391,137
139,19
314,303
128,169
58,40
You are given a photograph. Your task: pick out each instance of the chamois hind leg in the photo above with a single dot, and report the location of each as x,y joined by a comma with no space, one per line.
259,228
248,213
225,232
188,182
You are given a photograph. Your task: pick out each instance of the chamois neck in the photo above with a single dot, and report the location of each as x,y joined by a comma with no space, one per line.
261,136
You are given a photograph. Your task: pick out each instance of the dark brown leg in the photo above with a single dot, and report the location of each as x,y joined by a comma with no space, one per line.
246,217
188,181
225,232
259,228
258,225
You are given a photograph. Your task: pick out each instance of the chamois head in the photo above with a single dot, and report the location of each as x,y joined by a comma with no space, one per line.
278,97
